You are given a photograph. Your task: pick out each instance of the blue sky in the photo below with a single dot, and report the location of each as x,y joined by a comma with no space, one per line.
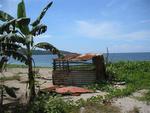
92,25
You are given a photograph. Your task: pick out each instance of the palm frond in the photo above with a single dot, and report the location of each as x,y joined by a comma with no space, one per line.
39,29
37,21
13,38
16,55
9,46
49,47
22,13
8,26
5,16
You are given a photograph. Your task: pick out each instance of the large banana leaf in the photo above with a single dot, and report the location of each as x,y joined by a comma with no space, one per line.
21,12
49,47
8,26
17,55
23,21
5,17
37,21
13,38
2,38
39,29
9,46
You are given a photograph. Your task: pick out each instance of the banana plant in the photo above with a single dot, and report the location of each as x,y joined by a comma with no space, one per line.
18,33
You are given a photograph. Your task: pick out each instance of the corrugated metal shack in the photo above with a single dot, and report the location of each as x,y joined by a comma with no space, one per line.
78,69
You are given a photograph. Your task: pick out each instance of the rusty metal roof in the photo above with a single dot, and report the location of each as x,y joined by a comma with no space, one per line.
87,56
79,57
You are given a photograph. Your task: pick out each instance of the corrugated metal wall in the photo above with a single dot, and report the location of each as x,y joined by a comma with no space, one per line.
74,77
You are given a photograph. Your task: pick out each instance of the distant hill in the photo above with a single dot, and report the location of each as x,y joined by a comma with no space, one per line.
42,52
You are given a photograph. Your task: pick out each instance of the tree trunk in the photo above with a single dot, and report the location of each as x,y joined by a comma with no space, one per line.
1,100
31,76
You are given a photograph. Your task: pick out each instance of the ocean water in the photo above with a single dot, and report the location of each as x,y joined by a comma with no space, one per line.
46,60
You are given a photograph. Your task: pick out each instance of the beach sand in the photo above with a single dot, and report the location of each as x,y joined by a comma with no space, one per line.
45,80
19,77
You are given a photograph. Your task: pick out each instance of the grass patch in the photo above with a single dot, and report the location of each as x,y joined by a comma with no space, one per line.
56,104
102,86
98,108
145,97
136,76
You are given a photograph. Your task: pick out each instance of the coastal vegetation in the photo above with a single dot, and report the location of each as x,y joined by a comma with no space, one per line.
18,35
135,75
17,41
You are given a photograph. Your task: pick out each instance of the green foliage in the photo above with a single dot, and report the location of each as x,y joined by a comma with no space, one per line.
145,97
129,71
22,13
37,21
21,10
19,33
5,17
135,74
39,29
18,56
95,99
51,104
49,47
56,104
102,86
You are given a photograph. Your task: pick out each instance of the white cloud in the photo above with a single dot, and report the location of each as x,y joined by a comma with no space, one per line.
97,30
138,35
109,30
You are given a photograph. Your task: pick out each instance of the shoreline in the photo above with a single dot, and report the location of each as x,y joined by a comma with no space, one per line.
24,66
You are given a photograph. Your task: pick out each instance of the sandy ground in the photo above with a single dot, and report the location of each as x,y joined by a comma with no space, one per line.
44,81
85,96
125,104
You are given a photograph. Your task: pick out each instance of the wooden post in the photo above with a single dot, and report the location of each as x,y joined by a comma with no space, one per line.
63,65
59,64
54,65
67,65
100,68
